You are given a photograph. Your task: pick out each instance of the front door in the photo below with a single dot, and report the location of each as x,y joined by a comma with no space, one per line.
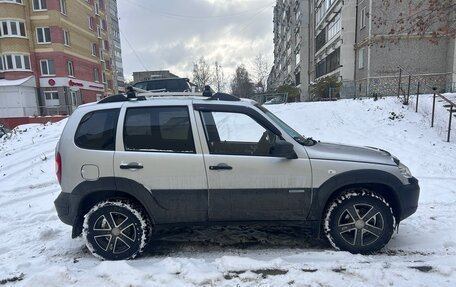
245,181
158,151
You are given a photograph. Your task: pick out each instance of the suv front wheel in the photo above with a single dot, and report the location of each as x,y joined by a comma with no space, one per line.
116,230
359,221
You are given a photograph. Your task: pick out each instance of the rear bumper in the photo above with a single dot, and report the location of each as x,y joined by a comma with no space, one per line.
408,197
62,205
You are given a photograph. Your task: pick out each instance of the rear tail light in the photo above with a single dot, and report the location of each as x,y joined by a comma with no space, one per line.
58,167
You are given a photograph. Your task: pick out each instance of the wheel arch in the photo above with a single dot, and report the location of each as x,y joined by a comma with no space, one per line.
88,194
379,182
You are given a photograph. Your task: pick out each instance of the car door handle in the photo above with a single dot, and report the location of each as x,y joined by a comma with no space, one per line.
131,165
220,166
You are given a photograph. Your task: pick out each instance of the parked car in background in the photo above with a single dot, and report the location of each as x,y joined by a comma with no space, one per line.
165,85
274,101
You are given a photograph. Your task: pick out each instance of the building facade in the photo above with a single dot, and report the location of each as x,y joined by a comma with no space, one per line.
150,75
380,55
116,50
54,55
314,39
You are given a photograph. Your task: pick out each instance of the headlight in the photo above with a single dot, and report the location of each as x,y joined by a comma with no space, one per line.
404,170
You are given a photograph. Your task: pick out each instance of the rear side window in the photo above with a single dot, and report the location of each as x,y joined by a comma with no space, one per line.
97,130
158,129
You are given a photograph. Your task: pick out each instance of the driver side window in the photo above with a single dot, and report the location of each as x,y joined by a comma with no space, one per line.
236,134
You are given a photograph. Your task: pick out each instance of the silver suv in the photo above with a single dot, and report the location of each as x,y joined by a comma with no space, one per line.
129,165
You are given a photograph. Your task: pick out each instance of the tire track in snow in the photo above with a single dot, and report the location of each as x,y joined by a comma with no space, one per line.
29,196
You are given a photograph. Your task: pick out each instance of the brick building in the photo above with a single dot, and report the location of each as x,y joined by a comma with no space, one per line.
54,55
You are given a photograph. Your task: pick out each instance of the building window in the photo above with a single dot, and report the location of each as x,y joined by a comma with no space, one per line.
298,78
9,28
39,5
334,27
97,7
47,67
98,32
13,1
298,58
43,35
101,55
320,41
96,75
27,62
328,64
94,49
15,62
70,68
91,24
105,45
363,18
103,77
66,38
63,7
361,58
51,98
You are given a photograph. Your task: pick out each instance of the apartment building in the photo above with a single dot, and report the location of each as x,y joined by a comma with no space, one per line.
314,39
54,55
116,50
380,55
291,42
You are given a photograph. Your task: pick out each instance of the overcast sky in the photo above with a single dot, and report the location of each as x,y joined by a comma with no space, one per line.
172,34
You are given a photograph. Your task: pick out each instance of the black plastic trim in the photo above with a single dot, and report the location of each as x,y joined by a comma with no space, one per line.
406,195
346,160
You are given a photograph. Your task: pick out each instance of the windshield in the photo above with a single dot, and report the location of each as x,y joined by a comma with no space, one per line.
290,131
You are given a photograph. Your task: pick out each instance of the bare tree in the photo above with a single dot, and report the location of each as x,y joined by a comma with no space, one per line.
202,74
261,69
242,85
219,77
425,18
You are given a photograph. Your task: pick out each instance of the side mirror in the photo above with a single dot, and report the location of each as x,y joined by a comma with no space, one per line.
284,149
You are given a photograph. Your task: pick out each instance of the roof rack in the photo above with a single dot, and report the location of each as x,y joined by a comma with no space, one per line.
136,94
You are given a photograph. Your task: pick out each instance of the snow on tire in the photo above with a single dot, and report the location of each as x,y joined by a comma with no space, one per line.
116,230
359,221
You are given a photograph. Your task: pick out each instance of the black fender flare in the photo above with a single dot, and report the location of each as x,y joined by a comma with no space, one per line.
355,178
88,193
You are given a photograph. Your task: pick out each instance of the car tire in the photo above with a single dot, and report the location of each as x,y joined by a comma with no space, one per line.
116,230
359,221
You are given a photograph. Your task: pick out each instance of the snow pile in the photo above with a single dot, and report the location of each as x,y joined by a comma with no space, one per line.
36,249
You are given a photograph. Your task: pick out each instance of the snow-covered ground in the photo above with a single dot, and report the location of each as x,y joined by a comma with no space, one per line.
36,249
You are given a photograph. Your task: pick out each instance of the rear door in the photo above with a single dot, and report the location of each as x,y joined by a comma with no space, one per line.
157,149
245,181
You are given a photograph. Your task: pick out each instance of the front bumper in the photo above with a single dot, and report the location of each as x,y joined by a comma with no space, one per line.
408,198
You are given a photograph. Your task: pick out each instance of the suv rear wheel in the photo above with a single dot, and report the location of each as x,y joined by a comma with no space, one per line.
359,221
116,230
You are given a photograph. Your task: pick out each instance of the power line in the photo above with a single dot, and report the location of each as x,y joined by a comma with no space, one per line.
134,52
198,17
253,18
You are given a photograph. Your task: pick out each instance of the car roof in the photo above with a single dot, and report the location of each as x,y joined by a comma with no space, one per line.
167,98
